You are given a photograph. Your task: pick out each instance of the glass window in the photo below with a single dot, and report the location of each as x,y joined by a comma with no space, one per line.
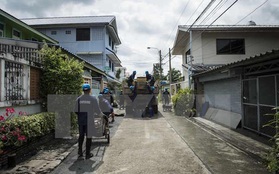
68,32
109,41
250,117
1,30
13,81
53,32
83,34
16,34
34,39
250,91
277,81
109,63
267,90
230,46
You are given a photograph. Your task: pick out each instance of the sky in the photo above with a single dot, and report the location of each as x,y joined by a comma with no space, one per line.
150,23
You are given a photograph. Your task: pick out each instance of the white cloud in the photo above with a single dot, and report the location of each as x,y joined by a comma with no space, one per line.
145,23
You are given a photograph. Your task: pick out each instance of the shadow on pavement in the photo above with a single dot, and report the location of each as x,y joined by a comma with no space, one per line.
81,166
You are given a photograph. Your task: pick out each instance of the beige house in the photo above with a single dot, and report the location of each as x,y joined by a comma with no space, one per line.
205,47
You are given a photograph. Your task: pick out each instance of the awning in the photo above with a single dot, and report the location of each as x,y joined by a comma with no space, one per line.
113,57
110,79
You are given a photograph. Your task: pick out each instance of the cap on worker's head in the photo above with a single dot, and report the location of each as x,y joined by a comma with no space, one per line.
132,88
152,88
146,72
134,72
100,96
106,90
85,87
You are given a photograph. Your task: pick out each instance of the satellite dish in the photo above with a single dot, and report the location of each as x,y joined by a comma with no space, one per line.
252,23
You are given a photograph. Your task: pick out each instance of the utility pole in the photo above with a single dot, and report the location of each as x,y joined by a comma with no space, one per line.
170,71
160,69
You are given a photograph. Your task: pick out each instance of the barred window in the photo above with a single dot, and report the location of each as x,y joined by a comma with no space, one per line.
1,30
13,81
16,34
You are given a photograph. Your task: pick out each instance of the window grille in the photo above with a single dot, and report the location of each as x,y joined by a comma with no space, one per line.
13,81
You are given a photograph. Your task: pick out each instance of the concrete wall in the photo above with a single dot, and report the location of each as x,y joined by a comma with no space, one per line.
29,109
255,43
224,94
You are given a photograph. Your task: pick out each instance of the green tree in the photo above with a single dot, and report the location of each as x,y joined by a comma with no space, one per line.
60,74
176,75
117,74
156,71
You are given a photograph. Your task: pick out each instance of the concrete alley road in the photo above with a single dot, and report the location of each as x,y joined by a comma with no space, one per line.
149,146
173,144
218,156
163,144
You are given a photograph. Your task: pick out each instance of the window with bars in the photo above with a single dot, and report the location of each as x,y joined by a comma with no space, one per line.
16,34
1,30
13,81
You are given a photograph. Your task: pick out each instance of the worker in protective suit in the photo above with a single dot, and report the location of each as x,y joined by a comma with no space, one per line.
131,78
150,80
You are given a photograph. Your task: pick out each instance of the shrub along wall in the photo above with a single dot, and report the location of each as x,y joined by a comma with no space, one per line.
183,102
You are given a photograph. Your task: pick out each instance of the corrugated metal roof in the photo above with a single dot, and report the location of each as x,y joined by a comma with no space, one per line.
227,27
270,55
69,20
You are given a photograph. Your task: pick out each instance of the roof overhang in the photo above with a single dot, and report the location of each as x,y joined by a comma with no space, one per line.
89,52
180,42
262,58
19,22
113,57
114,34
108,78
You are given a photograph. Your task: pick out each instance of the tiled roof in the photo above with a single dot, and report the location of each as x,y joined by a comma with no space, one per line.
69,20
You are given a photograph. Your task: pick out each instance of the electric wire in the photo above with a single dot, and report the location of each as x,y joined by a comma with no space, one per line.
251,12
234,24
178,21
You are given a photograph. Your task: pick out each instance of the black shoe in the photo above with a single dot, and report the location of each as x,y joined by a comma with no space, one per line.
89,156
80,154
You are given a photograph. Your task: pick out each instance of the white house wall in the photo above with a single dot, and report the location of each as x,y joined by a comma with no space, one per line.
195,47
255,43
